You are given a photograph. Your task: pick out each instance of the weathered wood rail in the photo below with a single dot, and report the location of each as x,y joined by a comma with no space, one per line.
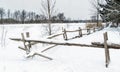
114,46
104,45
80,32
65,43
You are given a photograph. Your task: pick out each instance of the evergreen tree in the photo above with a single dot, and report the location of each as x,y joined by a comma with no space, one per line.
110,11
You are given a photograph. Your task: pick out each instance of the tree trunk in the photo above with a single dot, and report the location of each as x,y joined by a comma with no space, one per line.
50,31
49,17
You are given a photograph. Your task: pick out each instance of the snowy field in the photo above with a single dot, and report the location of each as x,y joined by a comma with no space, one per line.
65,58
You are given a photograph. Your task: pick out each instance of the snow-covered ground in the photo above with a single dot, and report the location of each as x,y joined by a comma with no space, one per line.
65,58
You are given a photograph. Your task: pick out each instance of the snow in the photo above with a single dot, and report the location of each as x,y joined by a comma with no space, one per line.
65,58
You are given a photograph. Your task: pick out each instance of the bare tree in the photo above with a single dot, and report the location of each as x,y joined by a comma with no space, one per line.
42,17
23,16
2,13
48,9
17,15
8,16
8,13
61,17
31,16
37,17
95,10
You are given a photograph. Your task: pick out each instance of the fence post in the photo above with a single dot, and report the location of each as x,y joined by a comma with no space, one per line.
23,38
27,34
29,44
80,32
94,29
65,35
107,55
88,31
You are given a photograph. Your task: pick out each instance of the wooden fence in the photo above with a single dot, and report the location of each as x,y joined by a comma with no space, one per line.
80,32
93,44
28,43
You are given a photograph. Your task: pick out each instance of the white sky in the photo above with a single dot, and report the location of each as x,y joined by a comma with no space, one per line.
75,9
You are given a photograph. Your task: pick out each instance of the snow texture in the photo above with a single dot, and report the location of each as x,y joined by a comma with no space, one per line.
65,58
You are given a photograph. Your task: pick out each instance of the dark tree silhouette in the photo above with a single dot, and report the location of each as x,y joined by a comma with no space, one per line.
23,16
2,13
110,11
17,15
61,17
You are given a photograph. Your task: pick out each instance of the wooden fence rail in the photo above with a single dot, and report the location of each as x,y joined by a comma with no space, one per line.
64,33
93,45
65,43
80,32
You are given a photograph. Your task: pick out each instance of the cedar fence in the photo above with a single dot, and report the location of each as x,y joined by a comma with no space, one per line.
28,43
80,32
93,45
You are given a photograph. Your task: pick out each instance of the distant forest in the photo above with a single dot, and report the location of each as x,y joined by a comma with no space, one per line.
23,16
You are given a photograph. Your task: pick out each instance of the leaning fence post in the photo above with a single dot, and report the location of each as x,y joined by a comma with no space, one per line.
64,35
88,31
107,55
23,39
80,32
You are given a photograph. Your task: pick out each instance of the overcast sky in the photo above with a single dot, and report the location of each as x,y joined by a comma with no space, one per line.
75,9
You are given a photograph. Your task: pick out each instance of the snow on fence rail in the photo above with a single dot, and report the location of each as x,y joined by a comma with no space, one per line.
29,42
65,36
80,32
55,43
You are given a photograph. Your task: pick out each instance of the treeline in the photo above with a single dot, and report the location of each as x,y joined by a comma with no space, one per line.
22,16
